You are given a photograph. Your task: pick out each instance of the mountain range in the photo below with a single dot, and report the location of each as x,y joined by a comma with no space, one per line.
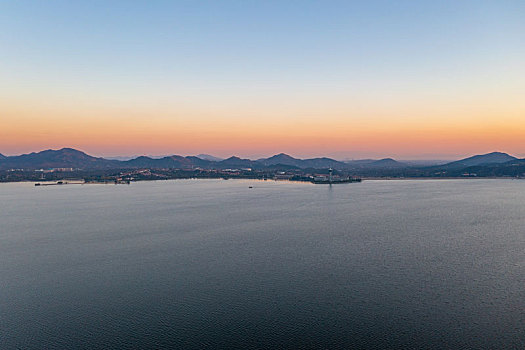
72,158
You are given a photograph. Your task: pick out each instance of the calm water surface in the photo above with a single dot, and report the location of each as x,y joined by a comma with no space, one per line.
195,264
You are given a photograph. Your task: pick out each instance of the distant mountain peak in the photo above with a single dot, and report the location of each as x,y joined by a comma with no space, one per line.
497,153
62,158
232,158
489,158
281,158
493,154
284,155
65,150
236,162
209,157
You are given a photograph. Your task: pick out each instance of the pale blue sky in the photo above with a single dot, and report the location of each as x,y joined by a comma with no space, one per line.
211,61
266,42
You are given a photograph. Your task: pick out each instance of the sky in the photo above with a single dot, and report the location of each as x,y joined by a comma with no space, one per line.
346,79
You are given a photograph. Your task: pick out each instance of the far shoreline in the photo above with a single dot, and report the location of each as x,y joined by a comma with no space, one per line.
75,181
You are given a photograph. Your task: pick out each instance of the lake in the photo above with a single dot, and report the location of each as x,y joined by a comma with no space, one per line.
195,264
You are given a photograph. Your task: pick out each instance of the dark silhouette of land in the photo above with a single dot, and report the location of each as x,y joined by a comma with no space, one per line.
71,163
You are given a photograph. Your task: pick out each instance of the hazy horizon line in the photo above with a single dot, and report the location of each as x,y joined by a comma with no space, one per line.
415,158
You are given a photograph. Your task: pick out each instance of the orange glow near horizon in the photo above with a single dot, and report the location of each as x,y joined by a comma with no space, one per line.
341,131
416,125
417,80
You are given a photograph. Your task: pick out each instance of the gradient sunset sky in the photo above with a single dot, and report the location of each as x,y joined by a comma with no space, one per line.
347,79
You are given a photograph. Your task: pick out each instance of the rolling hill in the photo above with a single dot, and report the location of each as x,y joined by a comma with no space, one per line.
483,159
62,158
